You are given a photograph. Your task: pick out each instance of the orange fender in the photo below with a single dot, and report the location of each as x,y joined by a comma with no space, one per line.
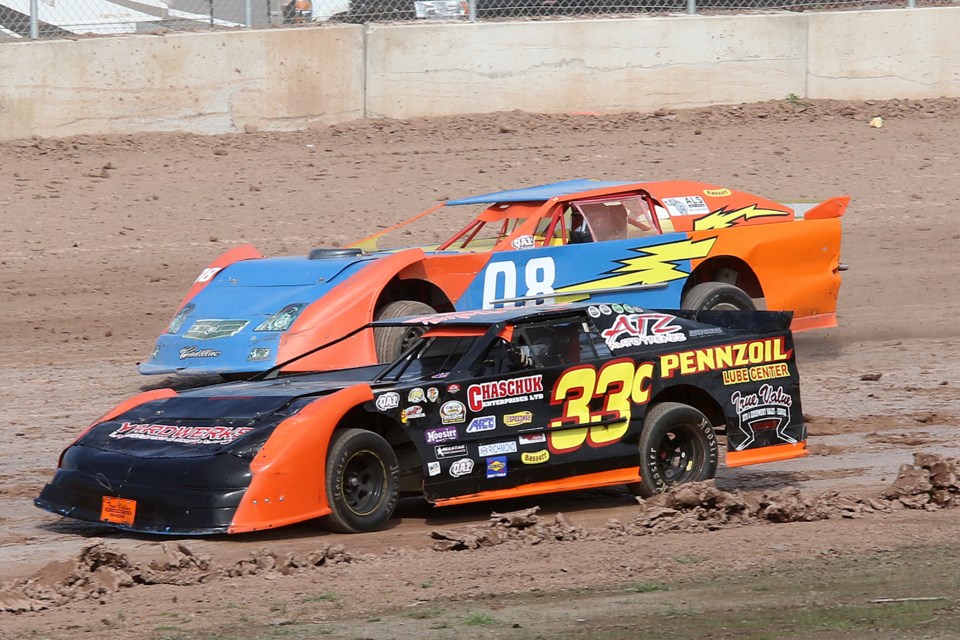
289,473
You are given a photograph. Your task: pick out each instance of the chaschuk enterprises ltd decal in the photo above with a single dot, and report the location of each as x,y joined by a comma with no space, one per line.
491,394
180,434
638,329
766,410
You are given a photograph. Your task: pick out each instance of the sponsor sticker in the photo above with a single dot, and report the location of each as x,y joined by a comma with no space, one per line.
766,410
535,457
532,438
717,193
617,308
518,418
461,467
756,374
482,423
118,510
433,468
179,434
593,311
639,329
489,394
388,401
497,467
194,351
440,434
433,394
450,450
416,395
686,205
522,242
453,412
605,309
453,388
497,448
412,412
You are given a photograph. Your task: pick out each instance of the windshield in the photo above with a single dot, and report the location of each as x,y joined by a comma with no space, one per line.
430,359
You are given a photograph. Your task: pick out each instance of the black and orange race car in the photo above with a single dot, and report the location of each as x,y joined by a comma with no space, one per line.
484,405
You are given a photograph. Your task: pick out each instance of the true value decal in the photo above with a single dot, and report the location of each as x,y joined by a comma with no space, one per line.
766,410
639,329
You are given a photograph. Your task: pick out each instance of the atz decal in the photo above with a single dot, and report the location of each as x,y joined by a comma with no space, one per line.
453,412
497,467
197,352
179,434
440,434
450,450
497,448
482,423
433,468
491,394
461,467
388,401
532,438
639,329
766,410
535,457
517,419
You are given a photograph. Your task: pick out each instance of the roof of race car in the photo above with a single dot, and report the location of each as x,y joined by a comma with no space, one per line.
540,193
487,316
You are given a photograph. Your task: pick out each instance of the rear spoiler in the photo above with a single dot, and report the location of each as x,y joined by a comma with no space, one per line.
832,208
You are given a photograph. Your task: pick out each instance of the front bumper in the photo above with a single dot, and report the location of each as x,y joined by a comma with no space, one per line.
196,495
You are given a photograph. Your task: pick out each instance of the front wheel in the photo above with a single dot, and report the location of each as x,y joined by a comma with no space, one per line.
717,296
677,445
363,481
390,342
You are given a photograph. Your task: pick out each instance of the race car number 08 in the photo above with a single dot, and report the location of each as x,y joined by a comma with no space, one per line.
620,383
539,275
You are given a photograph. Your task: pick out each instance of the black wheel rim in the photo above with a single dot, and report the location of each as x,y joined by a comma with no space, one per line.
678,456
410,337
364,480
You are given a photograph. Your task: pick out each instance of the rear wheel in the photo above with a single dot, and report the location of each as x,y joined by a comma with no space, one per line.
363,481
677,445
390,342
717,296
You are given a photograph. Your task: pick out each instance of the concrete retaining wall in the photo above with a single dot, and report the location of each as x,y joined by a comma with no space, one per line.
298,78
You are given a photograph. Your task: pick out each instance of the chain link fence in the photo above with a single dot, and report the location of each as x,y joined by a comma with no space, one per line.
21,19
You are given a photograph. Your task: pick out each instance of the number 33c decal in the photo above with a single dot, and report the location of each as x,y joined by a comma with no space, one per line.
619,383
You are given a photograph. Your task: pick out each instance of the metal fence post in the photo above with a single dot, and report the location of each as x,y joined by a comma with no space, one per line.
472,11
911,4
34,19
248,13
691,7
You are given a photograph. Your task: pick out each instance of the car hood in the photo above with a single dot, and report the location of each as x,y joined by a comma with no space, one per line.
211,420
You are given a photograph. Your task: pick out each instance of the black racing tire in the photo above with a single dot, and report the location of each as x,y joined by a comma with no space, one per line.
390,342
717,296
677,445
363,481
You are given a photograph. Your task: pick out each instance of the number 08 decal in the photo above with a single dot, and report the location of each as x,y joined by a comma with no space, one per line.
619,383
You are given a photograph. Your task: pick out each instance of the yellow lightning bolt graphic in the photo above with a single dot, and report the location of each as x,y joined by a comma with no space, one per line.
721,218
656,264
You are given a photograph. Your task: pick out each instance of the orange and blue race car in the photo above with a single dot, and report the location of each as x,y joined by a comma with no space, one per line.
484,405
676,244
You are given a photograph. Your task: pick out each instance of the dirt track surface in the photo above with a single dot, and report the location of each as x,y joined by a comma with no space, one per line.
101,236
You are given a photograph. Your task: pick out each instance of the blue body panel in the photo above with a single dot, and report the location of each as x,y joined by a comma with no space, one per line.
540,193
249,290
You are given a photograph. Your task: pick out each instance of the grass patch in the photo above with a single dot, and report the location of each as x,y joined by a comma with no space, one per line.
479,618
647,587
